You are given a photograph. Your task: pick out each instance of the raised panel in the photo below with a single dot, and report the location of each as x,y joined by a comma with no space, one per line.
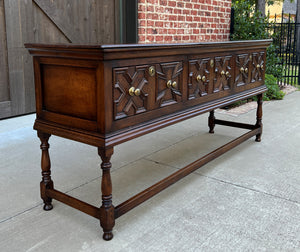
223,73
257,66
69,91
199,78
133,78
242,69
169,80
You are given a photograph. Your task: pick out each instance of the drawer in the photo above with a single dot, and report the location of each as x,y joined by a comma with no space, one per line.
143,88
258,66
209,76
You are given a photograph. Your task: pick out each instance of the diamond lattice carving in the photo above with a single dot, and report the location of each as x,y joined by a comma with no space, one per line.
168,72
125,78
198,78
222,73
257,66
242,69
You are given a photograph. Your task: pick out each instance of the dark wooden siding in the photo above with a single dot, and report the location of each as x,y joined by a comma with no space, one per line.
46,21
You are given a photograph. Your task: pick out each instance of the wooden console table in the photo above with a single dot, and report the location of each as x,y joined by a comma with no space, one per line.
106,95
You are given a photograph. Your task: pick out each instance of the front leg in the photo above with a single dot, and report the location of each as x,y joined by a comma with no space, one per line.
46,182
211,121
107,210
259,116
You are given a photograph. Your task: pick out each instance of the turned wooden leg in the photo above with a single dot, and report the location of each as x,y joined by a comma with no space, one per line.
46,182
211,121
259,116
107,216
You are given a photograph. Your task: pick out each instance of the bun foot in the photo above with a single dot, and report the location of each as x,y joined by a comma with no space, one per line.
258,139
211,131
48,207
107,236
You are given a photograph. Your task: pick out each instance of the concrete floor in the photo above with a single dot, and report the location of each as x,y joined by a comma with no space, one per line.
246,200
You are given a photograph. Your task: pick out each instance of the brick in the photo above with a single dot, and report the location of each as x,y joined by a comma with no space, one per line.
180,4
142,38
159,24
196,31
159,38
141,15
172,17
168,38
213,37
188,6
186,12
163,2
162,31
150,23
171,31
142,22
178,38
172,3
169,10
149,38
180,31
150,8
152,1
178,11
165,21
189,18
181,18
194,12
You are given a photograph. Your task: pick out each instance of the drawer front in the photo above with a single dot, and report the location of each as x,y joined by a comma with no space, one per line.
168,84
142,88
209,75
131,91
243,69
200,77
258,66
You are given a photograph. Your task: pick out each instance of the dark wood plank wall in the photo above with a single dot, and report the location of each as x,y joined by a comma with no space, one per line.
46,21
5,104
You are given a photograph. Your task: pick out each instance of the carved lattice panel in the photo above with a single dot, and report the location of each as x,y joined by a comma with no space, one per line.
124,79
199,76
257,66
222,73
168,73
242,69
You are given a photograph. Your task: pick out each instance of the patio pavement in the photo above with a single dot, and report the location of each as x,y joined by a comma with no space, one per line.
246,200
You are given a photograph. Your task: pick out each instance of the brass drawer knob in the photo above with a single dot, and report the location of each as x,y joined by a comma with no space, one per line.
258,66
262,67
222,72
203,78
137,92
246,70
169,84
134,92
199,78
174,84
227,74
152,71
242,70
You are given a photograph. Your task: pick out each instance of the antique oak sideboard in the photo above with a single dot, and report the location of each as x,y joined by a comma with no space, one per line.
106,95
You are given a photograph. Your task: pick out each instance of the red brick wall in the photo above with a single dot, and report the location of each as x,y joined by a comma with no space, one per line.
182,21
